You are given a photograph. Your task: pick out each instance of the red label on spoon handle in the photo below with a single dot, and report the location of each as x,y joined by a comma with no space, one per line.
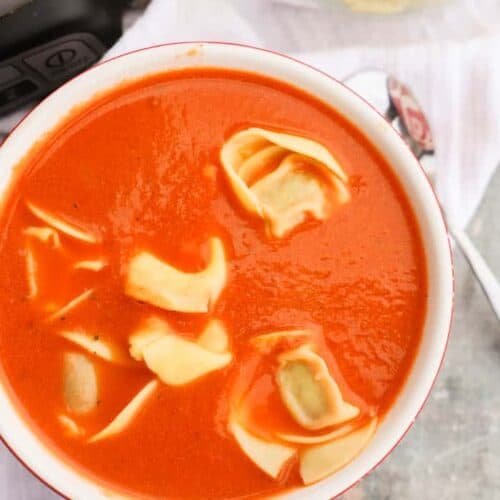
411,114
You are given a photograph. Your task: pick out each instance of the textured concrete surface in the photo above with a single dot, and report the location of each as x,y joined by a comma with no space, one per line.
452,450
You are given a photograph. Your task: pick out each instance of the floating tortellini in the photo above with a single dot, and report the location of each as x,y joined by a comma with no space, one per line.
158,283
283,178
128,414
339,432
312,422
309,391
31,273
267,455
214,337
36,234
319,461
46,234
97,346
50,236
80,388
176,360
269,342
95,265
62,311
70,427
61,225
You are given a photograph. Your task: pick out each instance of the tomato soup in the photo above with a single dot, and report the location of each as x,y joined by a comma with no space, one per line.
212,286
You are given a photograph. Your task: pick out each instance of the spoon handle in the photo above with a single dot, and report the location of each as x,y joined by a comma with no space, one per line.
483,273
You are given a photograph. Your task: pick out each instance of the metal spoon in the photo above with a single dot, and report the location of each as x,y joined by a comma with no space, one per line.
396,103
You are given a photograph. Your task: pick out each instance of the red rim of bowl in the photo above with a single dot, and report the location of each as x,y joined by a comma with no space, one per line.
443,220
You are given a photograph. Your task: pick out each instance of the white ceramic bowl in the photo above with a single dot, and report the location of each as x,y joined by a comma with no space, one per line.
20,438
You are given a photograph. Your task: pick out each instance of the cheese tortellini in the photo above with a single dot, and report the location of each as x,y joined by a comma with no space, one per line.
283,178
128,414
176,360
158,283
80,385
309,391
269,456
64,227
319,461
313,400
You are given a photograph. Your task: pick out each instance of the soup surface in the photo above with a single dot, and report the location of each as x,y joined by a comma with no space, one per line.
137,174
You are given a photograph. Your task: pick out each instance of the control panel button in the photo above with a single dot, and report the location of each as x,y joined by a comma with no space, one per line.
58,61
8,74
16,92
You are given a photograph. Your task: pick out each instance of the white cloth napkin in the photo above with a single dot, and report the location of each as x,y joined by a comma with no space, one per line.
447,54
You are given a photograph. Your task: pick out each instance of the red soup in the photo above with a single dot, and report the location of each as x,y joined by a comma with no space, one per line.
212,286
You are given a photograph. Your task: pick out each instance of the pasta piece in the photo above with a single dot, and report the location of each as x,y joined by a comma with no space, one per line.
61,225
214,337
321,438
282,178
152,329
79,383
96,345
267,342
243,145
177,361
290,193
91,265
72,304
31,273
252,167
46,234
309,391
70,426
318,462
156,282
268,456
127,415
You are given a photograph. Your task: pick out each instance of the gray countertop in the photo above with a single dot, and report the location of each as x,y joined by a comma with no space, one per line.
452,450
